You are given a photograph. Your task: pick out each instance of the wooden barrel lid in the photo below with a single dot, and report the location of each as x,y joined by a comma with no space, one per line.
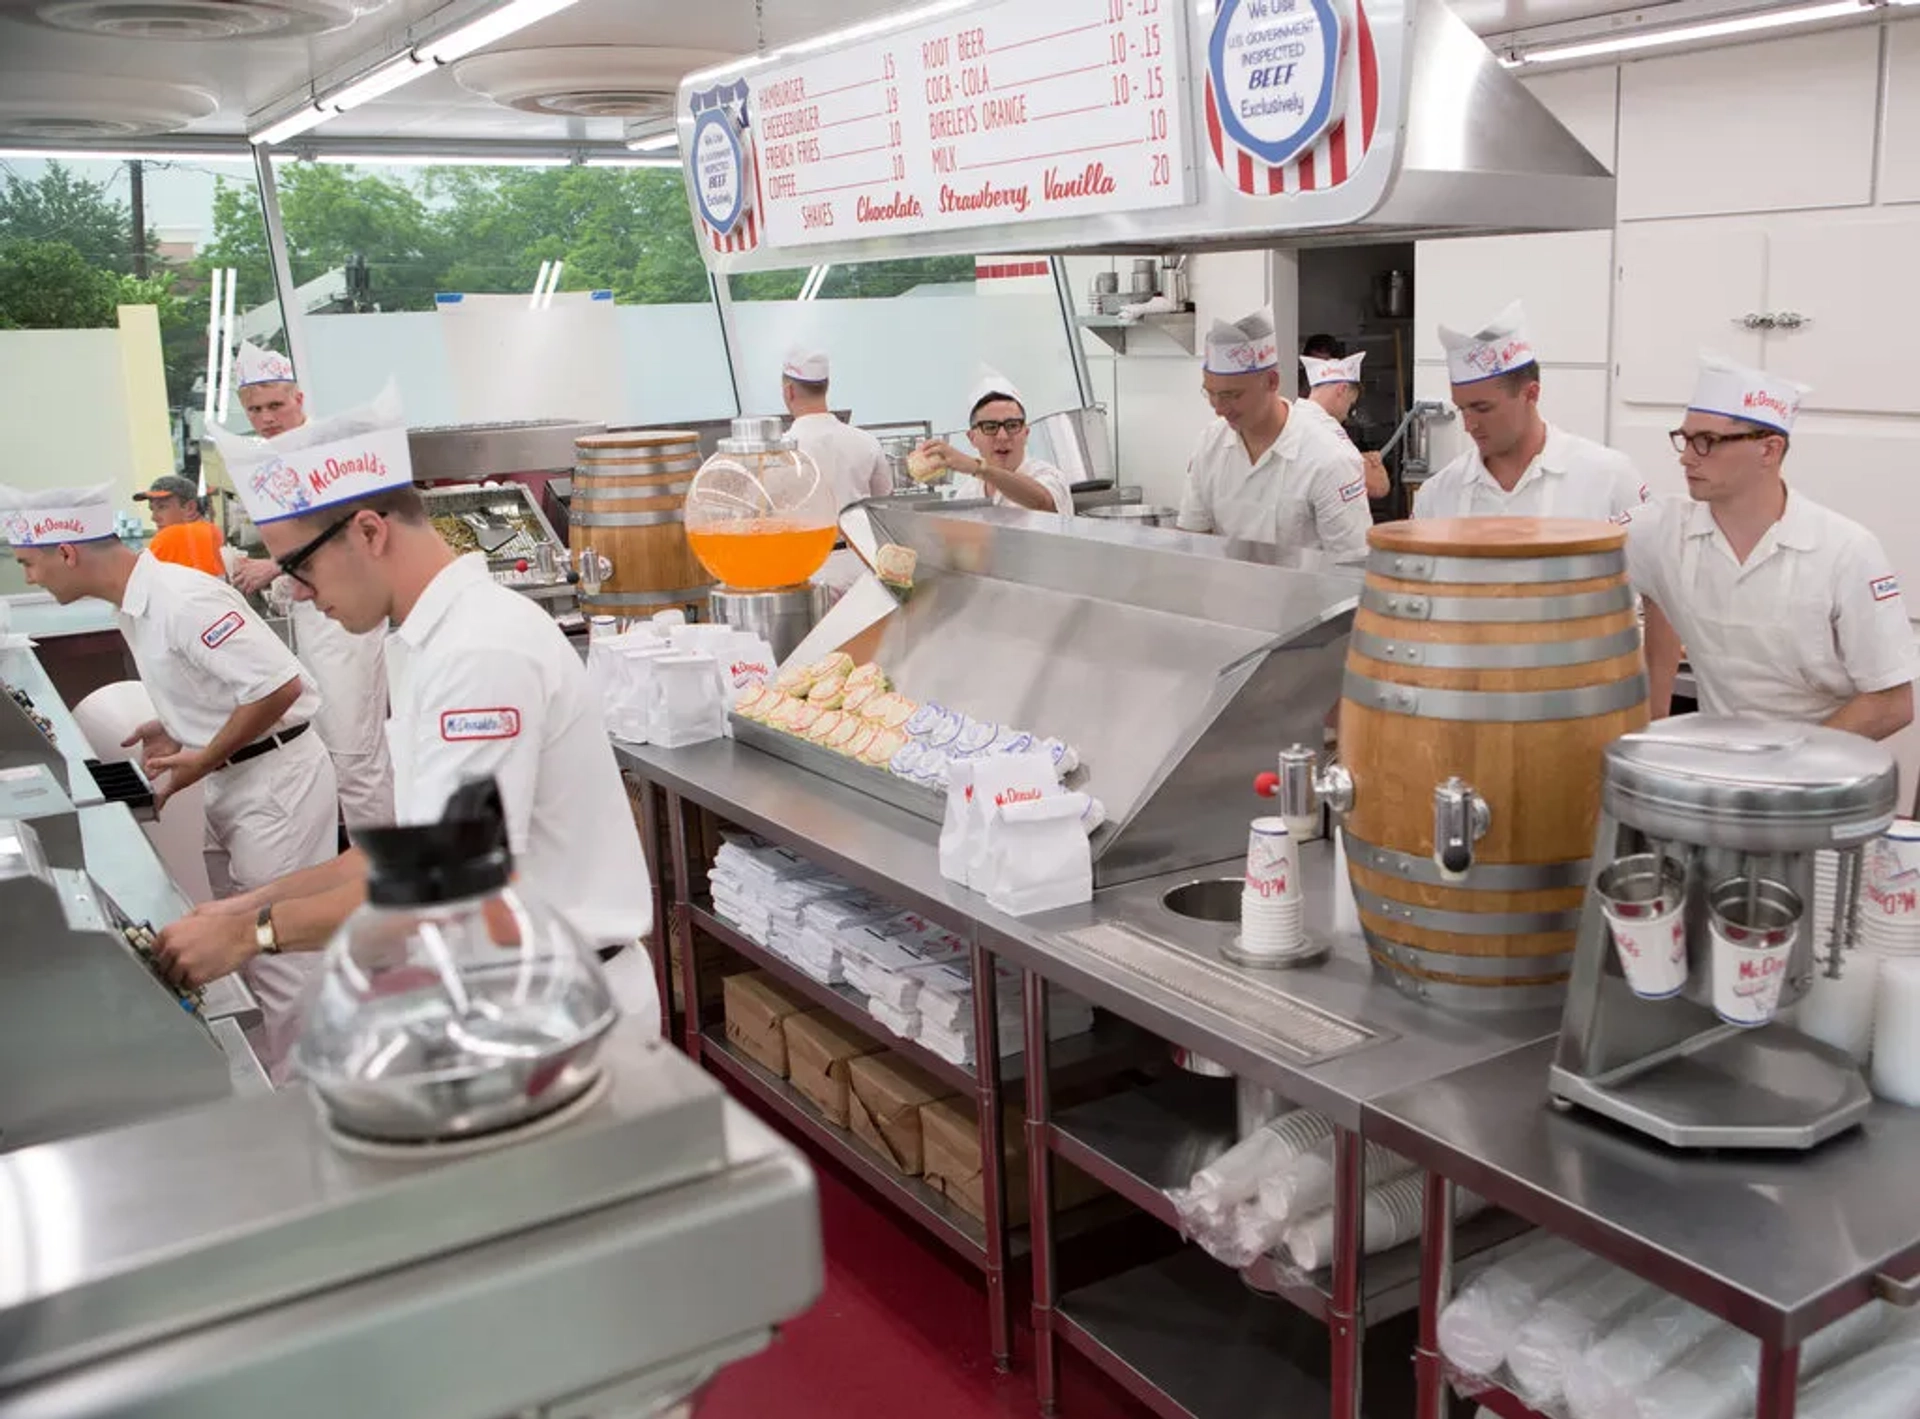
639,438
1497,537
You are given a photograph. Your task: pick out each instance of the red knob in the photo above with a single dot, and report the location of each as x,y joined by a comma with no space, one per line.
521,565
1267,785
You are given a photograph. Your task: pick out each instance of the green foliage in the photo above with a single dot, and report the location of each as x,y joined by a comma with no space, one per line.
60,206
49,285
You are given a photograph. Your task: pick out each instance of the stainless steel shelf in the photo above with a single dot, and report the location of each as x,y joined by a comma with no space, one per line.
1188,1340
1177,328
847,1004
922,1203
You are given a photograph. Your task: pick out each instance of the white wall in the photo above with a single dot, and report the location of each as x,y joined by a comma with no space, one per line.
1747,182
64,405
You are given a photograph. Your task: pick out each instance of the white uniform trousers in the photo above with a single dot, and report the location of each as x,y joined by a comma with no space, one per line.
351,671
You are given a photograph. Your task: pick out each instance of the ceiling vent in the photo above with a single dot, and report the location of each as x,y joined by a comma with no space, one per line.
83,107
585,81
203,20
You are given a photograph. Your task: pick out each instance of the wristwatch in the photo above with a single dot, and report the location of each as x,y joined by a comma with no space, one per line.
264,937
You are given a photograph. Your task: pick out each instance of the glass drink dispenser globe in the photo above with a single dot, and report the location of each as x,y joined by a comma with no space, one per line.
760,514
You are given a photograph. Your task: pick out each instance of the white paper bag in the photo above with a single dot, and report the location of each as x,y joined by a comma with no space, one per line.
1037,855
974,787
685,706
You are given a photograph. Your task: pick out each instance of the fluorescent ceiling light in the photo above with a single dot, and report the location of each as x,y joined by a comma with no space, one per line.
429,160
492,26
865,30
383,80
292,126
631,163
661,141
1685,34
121,155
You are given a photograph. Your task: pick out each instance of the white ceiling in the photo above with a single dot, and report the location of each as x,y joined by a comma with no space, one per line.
256,76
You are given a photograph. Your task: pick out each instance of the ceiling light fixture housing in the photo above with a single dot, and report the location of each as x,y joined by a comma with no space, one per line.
86,108
633,82
203,21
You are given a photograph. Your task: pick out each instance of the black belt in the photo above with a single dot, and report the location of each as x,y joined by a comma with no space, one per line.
265,746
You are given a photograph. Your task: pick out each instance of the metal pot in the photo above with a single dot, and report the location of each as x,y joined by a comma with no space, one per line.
1392,295
1135,514
1075,441
897,447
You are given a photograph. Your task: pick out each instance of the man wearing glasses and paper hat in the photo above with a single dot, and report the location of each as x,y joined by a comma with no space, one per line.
1518,464
234,708
1264,472
998,430
1784,608
484,684
350,669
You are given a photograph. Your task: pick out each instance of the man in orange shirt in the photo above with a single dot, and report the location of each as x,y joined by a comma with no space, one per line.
184,536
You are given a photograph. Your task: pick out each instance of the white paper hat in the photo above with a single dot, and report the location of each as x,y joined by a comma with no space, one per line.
257,365
990,383
807,366
1321,372
1247,346
49,516
1736,392
321,464
1498,347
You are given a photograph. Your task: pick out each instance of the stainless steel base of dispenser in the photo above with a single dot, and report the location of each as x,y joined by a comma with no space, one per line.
1730,1088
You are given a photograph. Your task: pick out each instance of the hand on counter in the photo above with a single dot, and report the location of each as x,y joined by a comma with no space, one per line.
255,575
205,945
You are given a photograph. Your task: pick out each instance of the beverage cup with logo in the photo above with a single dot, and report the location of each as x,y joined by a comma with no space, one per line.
1643,898
1273,862
1890,889
1753,924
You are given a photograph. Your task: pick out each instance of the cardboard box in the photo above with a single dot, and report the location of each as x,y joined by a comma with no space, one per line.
950,1134
758,1007
886,1095
820,1050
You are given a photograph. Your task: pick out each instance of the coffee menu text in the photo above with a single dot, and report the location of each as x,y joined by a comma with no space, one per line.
1009,112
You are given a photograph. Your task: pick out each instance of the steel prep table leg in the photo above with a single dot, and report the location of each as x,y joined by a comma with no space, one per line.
1779,1382
656,878
1436,1289
683,920
993,1158
1345,1321
1040,1191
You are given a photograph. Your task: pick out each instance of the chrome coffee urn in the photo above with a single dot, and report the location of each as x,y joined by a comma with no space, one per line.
1698,931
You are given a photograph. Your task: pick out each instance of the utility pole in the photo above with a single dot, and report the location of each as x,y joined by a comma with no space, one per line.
137,181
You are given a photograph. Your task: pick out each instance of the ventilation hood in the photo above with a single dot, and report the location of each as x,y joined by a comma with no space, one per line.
1394,122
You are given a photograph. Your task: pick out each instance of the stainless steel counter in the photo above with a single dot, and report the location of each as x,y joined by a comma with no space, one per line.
896,854
1777,1245
22,670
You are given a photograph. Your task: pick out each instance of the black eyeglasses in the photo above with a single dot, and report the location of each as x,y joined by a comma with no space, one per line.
300,556
1704,444
990,427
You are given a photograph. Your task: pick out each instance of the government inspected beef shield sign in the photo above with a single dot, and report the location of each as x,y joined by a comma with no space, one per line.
1278,85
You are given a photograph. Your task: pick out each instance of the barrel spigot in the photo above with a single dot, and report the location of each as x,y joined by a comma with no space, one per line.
1303,787
592,569
1461,818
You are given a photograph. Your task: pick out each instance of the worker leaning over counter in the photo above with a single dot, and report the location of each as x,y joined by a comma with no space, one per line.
849,459
233,709
1784,608
1330,388
182,534
997,429
1263,472
350,669
484,683
1519,465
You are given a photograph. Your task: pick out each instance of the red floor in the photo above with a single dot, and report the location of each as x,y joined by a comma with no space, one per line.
900,1333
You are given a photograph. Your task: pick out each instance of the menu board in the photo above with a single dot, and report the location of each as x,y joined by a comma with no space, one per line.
1006,112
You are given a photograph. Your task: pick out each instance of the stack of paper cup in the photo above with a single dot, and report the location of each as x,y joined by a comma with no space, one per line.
1896,1032
1754,922
1271,910
1890,891
1643,898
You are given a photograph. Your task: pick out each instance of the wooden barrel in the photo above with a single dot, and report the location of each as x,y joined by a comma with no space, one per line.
629,505
1503,653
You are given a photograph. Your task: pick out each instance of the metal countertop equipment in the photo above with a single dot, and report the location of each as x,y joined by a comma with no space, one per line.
276,1268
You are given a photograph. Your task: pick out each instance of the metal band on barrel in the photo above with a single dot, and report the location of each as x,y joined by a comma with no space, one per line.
1468,923
1496,571
1496,706
1491,968
682,597
586,517
1456,996
1520,655
635,468
1482,876
593,497
1485,610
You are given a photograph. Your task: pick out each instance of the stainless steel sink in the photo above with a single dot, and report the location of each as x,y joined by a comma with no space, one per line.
1215,899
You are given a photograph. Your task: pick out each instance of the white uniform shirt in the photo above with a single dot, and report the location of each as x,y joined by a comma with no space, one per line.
1043,473
849,458
1314,412
1309,490
483,682
202,652
1572,477
1812,619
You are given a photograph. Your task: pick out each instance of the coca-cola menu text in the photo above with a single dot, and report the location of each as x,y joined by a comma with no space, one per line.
1009,112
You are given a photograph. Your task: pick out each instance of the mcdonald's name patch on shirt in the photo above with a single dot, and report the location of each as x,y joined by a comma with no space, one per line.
461,724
